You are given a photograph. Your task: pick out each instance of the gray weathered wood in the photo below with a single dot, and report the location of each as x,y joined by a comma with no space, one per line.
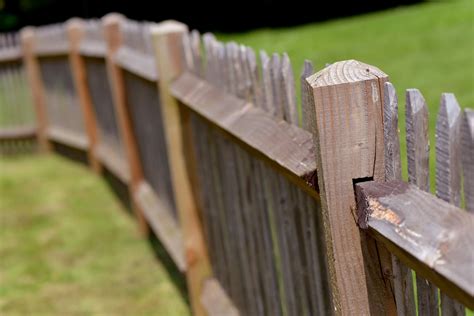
448,150
276,107
467,148
138,63
163,223
286,145
426,233
448,170
402,275
418,149
308,118
215,300
288,88
266,80
393,168
114,162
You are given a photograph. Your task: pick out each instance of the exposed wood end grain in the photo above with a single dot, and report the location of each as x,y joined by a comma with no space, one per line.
346,71
167,27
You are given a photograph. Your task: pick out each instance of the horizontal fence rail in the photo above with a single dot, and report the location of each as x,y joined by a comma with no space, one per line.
267,206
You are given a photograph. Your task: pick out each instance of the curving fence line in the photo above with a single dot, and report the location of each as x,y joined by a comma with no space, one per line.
268,207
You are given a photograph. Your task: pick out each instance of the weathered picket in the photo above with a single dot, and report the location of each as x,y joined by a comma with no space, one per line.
255,204
432,245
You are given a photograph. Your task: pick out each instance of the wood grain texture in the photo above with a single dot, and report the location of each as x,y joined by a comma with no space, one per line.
75,30
418,145
426,233
167,40
308,117
347,98
418,150
215,300
288,89
286,145
448,150
163,223
467,148
448,170
402,275
113,24
37,90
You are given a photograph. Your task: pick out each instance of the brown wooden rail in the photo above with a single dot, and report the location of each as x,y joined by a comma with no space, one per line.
429,235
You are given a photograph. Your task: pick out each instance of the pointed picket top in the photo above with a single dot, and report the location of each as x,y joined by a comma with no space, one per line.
195,45
266,81
393,170
308,118
276,109
346,71
418,145
289,96
467,148
448,150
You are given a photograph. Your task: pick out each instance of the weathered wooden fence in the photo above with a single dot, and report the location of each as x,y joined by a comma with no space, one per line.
17,125
254,200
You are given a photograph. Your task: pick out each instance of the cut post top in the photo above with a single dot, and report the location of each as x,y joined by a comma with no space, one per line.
168,27
346,71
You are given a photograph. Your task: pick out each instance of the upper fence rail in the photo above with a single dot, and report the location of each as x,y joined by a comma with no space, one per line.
251,193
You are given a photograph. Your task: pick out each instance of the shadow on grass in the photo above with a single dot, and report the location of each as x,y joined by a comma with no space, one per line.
178,278
120,190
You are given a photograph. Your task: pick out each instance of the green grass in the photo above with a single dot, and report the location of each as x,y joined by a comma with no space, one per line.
67,247
427,46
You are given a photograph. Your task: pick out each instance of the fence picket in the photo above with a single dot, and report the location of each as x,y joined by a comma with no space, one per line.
448,170
467,152
308,118
288,89
418,149
403,283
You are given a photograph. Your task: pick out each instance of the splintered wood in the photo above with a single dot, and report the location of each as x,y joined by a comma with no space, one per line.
427,233
454,143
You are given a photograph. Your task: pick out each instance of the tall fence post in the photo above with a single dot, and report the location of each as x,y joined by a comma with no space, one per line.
347,98
168,40
114,38
75,31
28,42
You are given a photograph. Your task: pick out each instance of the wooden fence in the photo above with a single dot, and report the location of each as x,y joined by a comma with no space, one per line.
254,200
17,125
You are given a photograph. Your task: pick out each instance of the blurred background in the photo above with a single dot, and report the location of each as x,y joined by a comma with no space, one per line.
203,15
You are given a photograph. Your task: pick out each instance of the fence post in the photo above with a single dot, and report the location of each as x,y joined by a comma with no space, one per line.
168,40
30,60
113,36
75,32
347,98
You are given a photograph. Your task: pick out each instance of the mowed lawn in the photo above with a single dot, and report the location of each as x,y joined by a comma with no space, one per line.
67,247
428,46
